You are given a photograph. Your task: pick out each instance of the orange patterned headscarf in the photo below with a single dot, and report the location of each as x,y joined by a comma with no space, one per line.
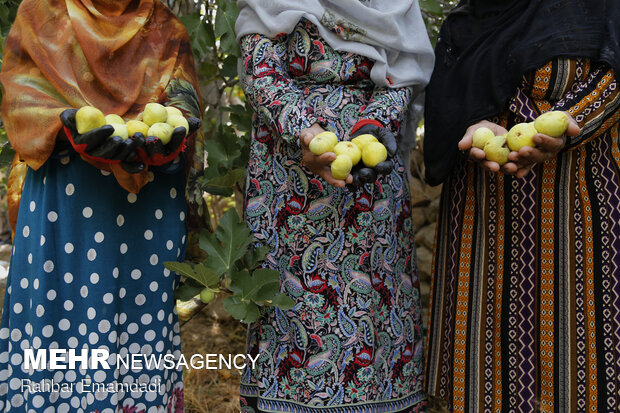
116,55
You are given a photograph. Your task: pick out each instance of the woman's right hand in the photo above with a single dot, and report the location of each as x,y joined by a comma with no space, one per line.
319,164
477,154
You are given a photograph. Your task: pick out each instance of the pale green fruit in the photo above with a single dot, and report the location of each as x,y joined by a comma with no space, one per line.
323,142
521,135
362,140
161,130
206,295
113,118
172,111
552,123
135,126
373,154
350,149
331,136
341,167
481,137
499,140
496,153
177,121
154,113
88,118
120,129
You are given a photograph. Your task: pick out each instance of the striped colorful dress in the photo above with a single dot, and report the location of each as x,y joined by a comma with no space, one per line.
526,287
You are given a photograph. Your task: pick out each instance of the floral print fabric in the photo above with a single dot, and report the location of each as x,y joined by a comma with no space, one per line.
353,341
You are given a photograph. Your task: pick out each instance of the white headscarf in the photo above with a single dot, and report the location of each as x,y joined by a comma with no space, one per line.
389,32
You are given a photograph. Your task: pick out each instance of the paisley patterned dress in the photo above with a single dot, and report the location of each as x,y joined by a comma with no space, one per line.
353,341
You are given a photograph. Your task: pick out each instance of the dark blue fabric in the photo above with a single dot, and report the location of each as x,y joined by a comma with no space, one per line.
87,272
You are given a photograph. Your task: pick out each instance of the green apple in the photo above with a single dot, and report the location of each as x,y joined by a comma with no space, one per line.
362,140
206,295
120,129
323,142
350,149
172,111
552,123
135,126
88,118
341,167
177,121
496,153
113,118
481,137
161,130
154,113
521,135
374,153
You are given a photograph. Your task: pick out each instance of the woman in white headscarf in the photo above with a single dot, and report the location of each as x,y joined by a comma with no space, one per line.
345,248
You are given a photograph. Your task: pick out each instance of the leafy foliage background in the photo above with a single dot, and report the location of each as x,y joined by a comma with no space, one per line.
233,259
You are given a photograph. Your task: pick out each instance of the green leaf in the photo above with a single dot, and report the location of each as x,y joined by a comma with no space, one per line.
431,6
235,109
252,313
7,153
207,70
243,123
255,256
283,301
182,268
268,282
242,311
199,272
222,150
229,67
262,285
240,282
221,191
229,243
235,308
225,19
188,290
225,182
200,33
206,276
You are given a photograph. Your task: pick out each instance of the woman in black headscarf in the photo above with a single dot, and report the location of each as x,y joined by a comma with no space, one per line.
526,276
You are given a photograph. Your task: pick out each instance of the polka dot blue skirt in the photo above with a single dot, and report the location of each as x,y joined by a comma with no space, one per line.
87,276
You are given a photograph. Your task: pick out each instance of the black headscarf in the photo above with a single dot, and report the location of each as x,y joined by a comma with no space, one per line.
485,47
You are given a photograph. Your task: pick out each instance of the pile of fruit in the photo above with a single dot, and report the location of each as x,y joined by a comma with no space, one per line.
157,120
365,148
497,148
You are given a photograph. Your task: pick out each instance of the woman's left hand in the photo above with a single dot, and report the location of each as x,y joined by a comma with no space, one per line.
319,164
547,147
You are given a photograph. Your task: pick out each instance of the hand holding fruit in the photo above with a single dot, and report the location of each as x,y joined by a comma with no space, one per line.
318,157
92,137
516,151
355,162
549,141
167,129
378,145
155,141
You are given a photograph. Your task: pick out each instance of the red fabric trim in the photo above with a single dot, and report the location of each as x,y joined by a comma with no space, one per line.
365,122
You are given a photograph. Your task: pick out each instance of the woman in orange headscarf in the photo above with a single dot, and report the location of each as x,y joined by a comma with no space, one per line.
92,233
